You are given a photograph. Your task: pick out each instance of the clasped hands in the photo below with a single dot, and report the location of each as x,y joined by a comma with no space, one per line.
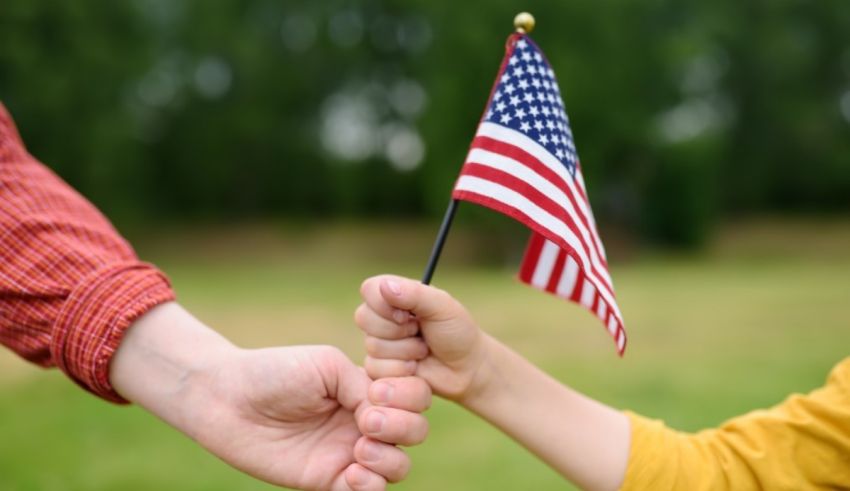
304,417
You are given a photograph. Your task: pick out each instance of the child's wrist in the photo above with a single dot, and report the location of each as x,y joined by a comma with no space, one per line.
484,383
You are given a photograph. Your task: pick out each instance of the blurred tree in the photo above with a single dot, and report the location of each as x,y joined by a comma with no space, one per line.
684,112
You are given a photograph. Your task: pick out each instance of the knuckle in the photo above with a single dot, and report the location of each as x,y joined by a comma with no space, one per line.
423,390
408,368
403,428
360,315
331,352
444,298
364,287
422,430
373,345
411,430
383,368
400,468
372,369
396,368
421,385
394,332
370,485
415,288
420,349
412,328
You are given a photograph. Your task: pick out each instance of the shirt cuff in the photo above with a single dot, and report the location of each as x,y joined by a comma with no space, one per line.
95,316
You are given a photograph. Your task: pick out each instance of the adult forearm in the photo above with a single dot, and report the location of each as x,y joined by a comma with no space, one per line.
163,360
584,440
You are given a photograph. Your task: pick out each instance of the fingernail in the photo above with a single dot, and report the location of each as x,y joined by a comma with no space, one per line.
371,452
393,287
375,421
410,366
400,316
382,392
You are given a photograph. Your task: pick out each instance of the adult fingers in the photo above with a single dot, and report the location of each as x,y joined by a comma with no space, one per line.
382,458
413,348
393,425
375,325
379,368
408,393
359,478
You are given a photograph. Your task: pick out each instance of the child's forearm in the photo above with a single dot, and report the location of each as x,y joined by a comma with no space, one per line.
584,440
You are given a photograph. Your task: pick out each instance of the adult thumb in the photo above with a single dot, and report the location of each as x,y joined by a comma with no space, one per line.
351,382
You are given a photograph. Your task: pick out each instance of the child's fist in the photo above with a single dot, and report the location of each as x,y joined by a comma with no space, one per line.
415,329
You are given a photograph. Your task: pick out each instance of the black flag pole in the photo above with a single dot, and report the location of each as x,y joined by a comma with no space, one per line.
524,23
437,250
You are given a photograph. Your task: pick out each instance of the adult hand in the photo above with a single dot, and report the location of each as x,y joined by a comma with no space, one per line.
299,416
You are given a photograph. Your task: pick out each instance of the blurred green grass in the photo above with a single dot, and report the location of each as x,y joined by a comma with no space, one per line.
761,314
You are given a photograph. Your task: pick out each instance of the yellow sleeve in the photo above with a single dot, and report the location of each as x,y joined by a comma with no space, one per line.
803,443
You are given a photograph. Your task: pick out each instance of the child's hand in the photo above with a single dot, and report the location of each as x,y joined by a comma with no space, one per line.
451,351
584,440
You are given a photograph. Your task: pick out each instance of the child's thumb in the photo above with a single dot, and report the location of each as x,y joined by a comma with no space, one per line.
426,302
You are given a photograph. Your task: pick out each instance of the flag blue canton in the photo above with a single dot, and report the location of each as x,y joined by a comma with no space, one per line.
527,99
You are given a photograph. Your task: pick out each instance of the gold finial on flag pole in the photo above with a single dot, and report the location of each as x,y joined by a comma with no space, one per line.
524,23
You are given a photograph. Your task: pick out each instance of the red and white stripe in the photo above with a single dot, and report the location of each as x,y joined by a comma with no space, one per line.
552,269
513,174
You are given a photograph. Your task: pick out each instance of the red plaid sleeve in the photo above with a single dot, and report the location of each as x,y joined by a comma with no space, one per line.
69,284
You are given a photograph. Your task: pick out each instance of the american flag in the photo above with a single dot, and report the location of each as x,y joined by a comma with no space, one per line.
523,163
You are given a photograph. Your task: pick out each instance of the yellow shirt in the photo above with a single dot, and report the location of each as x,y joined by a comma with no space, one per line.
803,443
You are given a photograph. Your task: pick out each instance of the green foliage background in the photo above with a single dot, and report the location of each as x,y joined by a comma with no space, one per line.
684,111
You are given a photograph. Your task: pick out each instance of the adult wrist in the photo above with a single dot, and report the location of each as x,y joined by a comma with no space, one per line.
166,363
95,317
